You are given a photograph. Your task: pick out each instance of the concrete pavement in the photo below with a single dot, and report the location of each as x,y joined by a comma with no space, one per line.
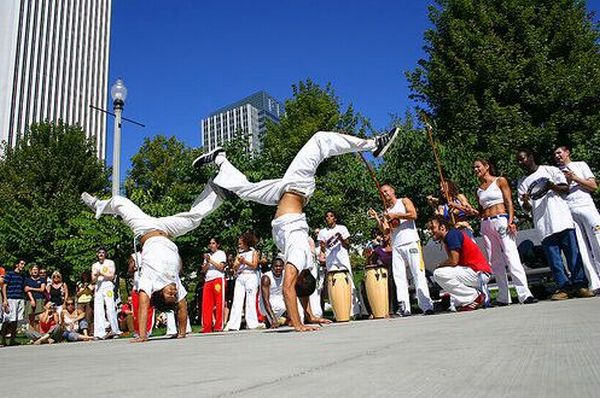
550,349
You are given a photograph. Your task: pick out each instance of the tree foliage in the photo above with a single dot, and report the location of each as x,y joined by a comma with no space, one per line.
504,74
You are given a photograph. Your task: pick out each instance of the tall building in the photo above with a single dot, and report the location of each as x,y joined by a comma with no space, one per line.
247,116
53,65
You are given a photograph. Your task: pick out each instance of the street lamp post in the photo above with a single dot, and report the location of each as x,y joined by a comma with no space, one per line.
118,92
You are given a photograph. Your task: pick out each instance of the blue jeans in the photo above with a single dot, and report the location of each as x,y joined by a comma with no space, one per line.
566,242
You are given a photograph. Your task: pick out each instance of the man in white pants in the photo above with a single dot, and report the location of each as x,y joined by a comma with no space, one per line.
271,293
334,242
406,250
582,183
466,272
103,273
159,281
290,194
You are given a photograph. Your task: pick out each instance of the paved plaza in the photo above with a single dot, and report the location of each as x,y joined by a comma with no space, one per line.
550,349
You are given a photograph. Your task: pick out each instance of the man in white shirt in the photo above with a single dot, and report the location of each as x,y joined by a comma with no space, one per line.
582,183
103,274
552,220
399,220
334,242
271,291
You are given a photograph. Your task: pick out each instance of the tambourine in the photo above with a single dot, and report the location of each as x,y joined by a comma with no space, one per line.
539,188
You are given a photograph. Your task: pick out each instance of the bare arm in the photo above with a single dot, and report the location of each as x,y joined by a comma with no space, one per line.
452,260
265,291
589,184
182,317
65,291
291,299
411,211
508,203
144,304
253,264
465,205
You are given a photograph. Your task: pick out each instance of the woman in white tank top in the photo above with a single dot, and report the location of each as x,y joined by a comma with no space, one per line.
246,285
499,233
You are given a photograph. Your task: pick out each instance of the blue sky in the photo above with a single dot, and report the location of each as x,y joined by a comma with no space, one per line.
180,60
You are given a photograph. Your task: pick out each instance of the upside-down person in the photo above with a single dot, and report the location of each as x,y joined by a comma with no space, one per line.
290,194
159,284
466,271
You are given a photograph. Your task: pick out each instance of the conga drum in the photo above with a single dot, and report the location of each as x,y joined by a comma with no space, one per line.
340,294
376,284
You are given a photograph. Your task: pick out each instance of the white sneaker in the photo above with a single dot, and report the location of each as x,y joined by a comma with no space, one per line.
89,200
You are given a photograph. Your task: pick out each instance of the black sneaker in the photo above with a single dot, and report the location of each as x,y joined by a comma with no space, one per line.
428,312
207,158
384,142
530,300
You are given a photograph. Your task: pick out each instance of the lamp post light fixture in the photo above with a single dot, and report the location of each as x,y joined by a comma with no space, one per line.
118,92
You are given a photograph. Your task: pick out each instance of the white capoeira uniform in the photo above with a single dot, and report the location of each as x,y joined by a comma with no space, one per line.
290,231
246,285
315,297
587,222
172,324
338,259
160,262
275,296
104,300
406,251
501,247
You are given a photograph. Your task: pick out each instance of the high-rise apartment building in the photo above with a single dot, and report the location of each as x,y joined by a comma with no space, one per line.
247,116
53,65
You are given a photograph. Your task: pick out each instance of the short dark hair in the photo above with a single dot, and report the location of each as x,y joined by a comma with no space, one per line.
157,300
441,221
563,147
101,248
217,240
526,151
306,284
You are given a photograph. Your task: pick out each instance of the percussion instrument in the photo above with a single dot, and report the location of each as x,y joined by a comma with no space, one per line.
376,284
539,188
340,294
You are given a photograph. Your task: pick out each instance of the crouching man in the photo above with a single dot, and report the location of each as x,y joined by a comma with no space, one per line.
465,272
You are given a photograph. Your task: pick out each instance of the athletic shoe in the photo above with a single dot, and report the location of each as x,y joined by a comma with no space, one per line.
530,300
559,295
478,302
582,293
89,200
384,142
207,158
428,312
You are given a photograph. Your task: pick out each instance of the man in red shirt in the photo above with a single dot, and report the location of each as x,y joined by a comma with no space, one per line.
466,271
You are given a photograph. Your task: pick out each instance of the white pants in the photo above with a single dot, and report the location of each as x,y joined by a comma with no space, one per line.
315,297
462,283
174,226
300,175
246,285
410,255
16,308
104,300
501,248
172,324
587,230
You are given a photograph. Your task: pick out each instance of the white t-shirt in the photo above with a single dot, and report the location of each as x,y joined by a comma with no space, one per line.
336,255
160,266
137,258
551,213
213,273
276,290
106,268
406,231
579,196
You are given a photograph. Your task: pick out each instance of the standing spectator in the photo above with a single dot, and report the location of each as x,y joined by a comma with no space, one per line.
103,273
213,293
453,205
13,302
554,223
35,289
85,294
246,284
73,321
582,183
229,285
58,291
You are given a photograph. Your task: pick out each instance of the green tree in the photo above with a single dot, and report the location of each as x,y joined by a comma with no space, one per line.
41,216
504,74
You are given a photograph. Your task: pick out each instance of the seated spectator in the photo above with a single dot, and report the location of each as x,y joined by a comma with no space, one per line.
57,290
85,296
49,327
466,271
125,317
271,289
72,322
